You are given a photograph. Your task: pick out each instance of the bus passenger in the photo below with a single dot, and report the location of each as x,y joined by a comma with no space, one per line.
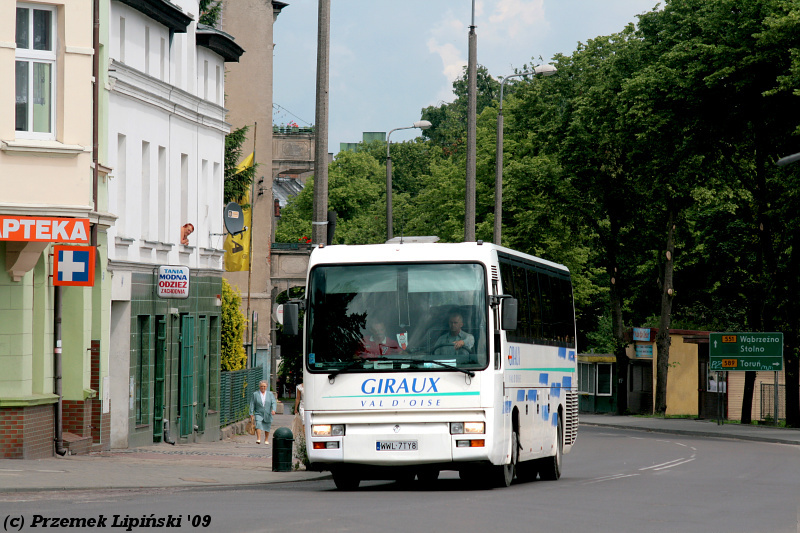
455,341
377,343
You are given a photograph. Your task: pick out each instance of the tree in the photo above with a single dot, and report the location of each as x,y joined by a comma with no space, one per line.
237,184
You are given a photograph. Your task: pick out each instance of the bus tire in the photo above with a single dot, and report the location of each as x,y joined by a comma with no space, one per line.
550,467
345,480
503,475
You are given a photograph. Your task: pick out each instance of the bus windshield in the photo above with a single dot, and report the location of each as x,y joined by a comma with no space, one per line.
392,317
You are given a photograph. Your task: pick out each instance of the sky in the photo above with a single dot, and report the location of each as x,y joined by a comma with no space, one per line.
391,59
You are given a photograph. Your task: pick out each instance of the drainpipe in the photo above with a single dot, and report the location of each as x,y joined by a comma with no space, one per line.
60,450
96,115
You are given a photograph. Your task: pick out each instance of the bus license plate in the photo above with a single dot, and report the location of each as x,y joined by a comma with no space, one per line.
396,445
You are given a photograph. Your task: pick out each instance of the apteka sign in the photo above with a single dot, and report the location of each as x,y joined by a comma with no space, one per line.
173,282
44,229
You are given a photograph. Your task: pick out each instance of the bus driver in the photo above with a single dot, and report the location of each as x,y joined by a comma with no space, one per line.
455,341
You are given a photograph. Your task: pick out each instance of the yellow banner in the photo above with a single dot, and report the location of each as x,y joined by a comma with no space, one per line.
237,247
246,163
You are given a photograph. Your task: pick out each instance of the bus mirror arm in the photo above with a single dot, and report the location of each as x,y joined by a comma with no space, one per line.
508,310
496,299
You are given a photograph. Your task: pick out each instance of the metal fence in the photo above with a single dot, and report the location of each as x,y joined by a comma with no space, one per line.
235,390
768,401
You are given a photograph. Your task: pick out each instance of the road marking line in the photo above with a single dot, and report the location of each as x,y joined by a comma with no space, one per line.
610,478
676,464
662,464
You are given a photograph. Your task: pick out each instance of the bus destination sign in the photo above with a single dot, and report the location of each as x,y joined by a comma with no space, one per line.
746,351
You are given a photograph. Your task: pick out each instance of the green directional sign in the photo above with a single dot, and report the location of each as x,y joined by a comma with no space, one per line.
746,351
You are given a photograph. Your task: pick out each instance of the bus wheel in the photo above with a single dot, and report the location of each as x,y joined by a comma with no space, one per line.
550,467
345,480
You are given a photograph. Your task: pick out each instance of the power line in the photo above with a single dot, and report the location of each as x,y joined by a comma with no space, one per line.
278,106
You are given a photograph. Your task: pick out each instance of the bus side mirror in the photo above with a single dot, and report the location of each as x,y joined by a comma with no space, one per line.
291,324
508,313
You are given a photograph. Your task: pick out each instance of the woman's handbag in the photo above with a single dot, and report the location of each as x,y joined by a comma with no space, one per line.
249,427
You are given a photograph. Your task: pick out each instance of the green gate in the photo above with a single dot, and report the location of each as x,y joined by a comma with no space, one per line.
236,387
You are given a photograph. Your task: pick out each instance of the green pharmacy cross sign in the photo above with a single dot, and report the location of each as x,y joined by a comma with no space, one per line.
746,351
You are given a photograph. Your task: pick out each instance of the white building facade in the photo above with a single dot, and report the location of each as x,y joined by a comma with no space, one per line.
166,141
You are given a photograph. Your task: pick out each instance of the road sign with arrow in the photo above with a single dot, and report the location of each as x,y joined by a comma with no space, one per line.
746,351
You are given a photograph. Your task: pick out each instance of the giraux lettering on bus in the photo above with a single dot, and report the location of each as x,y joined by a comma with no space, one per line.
392,386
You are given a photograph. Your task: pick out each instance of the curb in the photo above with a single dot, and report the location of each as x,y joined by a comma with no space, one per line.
772,440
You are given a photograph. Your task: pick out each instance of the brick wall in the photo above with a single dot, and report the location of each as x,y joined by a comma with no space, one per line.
77,417
27,432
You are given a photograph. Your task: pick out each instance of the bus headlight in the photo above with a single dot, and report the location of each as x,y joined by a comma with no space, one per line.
459,428
327,430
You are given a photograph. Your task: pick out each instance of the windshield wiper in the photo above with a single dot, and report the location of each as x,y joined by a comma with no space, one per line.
350,366
470,373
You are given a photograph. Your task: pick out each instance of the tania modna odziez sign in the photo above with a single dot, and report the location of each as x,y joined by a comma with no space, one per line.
173,282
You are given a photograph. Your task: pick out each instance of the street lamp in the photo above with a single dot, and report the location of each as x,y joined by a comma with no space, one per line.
544,70
423,125
783,161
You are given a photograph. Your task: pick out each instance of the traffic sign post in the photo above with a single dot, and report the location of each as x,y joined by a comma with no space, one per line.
746,351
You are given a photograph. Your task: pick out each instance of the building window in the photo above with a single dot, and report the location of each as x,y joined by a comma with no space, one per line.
35,71
603,379
586,378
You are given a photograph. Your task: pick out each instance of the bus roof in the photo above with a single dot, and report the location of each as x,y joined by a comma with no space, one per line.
417,252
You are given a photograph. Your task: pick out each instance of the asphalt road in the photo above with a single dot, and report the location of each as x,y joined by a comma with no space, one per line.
614,481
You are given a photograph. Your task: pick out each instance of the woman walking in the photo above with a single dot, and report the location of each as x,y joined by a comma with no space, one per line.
262,407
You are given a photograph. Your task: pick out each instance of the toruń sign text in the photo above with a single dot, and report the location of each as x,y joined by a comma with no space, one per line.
44,229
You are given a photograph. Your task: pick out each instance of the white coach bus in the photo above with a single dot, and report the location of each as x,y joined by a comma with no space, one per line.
427,357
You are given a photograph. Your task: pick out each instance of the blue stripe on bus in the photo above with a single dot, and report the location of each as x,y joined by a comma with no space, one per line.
555,390
543,379
545,412
566,382
562,352
520,395
554,420
506,407
532,395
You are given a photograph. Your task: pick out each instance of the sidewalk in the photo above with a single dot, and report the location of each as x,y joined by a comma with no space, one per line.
701,428
237,460
234,460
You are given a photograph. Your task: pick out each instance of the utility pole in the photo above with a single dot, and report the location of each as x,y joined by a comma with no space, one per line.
320,220
472,103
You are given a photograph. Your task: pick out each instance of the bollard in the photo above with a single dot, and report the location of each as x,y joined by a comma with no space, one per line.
282,444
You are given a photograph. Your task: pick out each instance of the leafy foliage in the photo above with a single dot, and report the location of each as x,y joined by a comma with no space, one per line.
661,137
237,184
210,11
233,356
